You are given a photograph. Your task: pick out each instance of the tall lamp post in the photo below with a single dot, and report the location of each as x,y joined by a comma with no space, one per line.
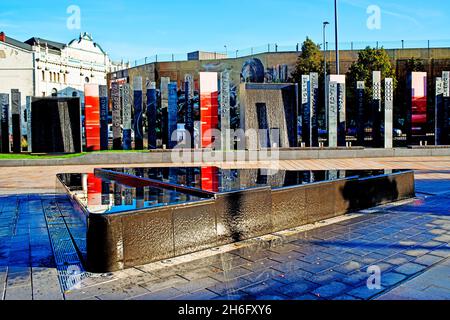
336,31
325,24
226,50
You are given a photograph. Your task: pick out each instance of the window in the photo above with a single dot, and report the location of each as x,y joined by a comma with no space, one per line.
43,75
54,92
74,94
86,79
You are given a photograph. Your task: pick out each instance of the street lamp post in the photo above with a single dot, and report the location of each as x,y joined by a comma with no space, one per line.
336,31
226,50
325,80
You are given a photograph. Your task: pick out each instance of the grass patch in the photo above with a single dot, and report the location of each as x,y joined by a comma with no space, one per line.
11,156
37,157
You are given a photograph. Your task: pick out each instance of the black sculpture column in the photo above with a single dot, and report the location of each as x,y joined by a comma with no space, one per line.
4,123
189,115
16,123
116,117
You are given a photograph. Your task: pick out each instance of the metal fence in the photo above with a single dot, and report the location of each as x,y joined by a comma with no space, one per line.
273,47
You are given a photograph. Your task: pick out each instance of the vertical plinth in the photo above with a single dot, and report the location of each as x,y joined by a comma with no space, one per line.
152,104
138,114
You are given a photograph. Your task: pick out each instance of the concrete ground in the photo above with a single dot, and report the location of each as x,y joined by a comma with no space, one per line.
408,242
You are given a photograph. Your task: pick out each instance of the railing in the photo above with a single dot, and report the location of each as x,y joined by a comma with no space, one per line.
273,48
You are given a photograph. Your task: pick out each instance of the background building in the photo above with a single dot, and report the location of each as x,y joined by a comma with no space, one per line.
44,68
16,67
64,69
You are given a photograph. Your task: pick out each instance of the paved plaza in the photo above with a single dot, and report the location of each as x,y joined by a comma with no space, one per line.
409,242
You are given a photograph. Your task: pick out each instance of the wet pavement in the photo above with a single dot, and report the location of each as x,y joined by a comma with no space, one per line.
408,242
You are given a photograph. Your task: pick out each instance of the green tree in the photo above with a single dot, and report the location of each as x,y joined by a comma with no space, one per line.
310,60
369,60
414,65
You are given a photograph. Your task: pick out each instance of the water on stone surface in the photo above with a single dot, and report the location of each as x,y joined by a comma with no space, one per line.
104,195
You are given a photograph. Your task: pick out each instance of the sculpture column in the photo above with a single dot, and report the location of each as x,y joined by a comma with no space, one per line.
138,114
152,103
376,109
116,116
92,117
360,89
16,123
388,113
189,115
314,100
332,114
225,124
126,114
306,111
4,123
104,110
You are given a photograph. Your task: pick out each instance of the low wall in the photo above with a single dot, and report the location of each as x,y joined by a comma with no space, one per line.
159,157
118,241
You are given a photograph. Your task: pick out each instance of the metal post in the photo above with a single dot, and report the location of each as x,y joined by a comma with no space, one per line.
336,31
403,44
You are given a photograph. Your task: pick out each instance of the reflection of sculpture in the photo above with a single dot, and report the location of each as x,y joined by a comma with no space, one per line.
253,71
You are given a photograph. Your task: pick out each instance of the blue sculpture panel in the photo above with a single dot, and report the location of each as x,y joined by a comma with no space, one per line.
172,113
138,114
152,103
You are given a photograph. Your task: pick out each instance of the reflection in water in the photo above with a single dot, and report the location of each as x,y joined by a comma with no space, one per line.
100,195
219,180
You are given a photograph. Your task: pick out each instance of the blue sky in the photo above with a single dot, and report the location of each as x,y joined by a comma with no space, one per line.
135,29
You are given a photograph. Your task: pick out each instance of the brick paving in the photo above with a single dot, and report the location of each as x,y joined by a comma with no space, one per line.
328,262
409,242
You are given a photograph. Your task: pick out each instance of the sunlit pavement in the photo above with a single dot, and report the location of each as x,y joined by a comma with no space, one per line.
408,242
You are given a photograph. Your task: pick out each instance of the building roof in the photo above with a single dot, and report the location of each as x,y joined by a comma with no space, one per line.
17,43
87,37
51,44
